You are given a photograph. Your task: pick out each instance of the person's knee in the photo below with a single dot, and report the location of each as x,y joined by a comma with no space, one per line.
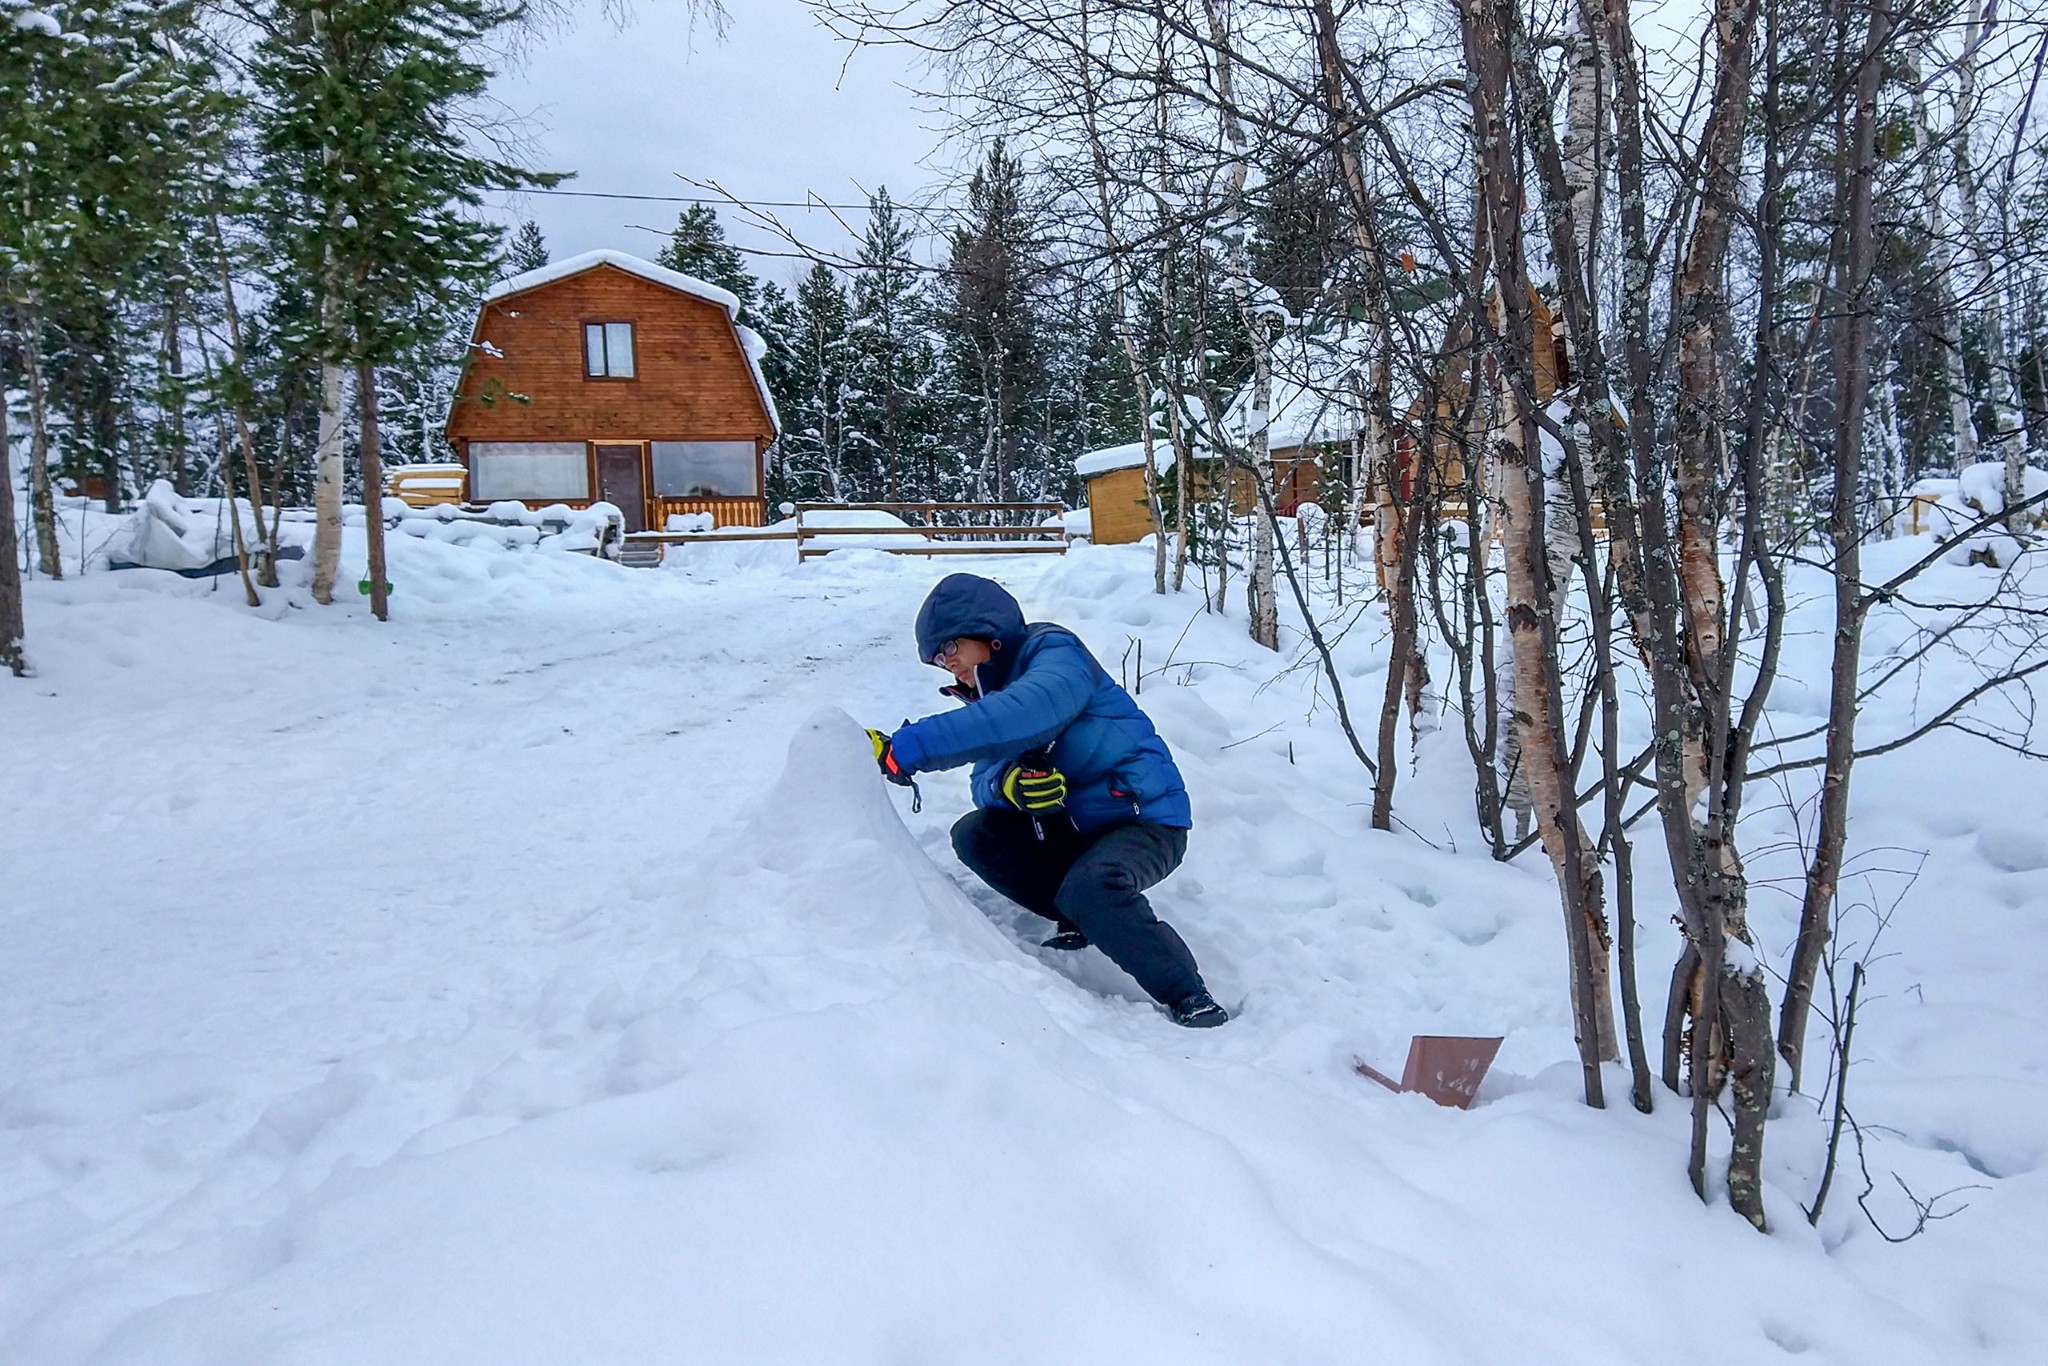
970,834
1092,893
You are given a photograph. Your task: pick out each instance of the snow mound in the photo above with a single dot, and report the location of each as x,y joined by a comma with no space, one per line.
827,842
183,535
2013,848
1978,492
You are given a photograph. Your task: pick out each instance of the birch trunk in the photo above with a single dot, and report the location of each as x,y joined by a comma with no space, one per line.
1584,145
1262,601
1408,671
1538,723
1539,704
327,458
42,500
12,631
1727,995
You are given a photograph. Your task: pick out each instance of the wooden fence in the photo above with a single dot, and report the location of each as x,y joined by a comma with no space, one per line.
927,529
935,529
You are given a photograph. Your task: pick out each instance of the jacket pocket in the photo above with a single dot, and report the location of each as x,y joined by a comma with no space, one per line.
1127,792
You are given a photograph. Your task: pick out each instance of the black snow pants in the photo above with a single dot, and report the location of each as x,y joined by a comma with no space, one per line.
1093,883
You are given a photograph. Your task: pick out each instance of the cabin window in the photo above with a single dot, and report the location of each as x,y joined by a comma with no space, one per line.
706,469
608,350
528,470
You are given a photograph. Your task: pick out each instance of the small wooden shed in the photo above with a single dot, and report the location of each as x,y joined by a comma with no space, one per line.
608,378
1118,512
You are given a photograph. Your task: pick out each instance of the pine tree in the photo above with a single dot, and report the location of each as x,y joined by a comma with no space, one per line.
813,413
992,322
697,246
775,319
107,109
1299,236
528,250
381,192
891,362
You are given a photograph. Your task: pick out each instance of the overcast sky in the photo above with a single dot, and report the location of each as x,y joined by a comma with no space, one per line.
778,110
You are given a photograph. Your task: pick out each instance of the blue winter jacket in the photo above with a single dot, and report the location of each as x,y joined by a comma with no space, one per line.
1041,689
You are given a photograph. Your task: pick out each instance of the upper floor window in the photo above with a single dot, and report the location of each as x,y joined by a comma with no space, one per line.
608,350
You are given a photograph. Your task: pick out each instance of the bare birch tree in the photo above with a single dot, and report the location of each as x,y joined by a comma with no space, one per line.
13,655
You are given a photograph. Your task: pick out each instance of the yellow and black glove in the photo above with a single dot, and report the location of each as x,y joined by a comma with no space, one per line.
1039,791
885,757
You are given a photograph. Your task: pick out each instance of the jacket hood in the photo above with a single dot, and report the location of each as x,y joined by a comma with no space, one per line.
969,605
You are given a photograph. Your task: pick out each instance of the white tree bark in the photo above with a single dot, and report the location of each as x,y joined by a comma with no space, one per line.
1253,310
1963,432
12,657
42,502
327,457
1584,146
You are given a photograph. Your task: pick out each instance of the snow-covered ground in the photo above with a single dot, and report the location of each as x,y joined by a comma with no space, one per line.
547,976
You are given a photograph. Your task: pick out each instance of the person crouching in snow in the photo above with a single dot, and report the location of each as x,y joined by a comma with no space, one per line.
1078,805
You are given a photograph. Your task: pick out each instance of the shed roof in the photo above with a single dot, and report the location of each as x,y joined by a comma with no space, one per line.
1129,456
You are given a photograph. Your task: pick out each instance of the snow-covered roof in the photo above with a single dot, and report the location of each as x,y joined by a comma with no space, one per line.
1129,456
618,260
1312,399
756,348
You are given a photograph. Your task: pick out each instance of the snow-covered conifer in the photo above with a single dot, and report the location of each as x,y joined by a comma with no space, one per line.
382,190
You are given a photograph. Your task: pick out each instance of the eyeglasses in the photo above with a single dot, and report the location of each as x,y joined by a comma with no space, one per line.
946,652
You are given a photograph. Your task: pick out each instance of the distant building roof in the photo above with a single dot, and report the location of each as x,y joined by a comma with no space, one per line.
1313,398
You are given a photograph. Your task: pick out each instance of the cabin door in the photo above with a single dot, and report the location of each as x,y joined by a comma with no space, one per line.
622,483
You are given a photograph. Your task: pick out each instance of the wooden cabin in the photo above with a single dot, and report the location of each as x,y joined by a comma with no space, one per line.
608,378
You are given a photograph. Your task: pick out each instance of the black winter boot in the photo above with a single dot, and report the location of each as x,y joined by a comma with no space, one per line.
1198,1011
1066,939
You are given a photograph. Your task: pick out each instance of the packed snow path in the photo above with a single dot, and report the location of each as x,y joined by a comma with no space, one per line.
547,977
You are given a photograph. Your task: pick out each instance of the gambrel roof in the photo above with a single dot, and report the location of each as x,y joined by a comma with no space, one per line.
751,344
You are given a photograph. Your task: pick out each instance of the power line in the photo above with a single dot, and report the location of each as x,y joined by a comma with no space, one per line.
723,201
